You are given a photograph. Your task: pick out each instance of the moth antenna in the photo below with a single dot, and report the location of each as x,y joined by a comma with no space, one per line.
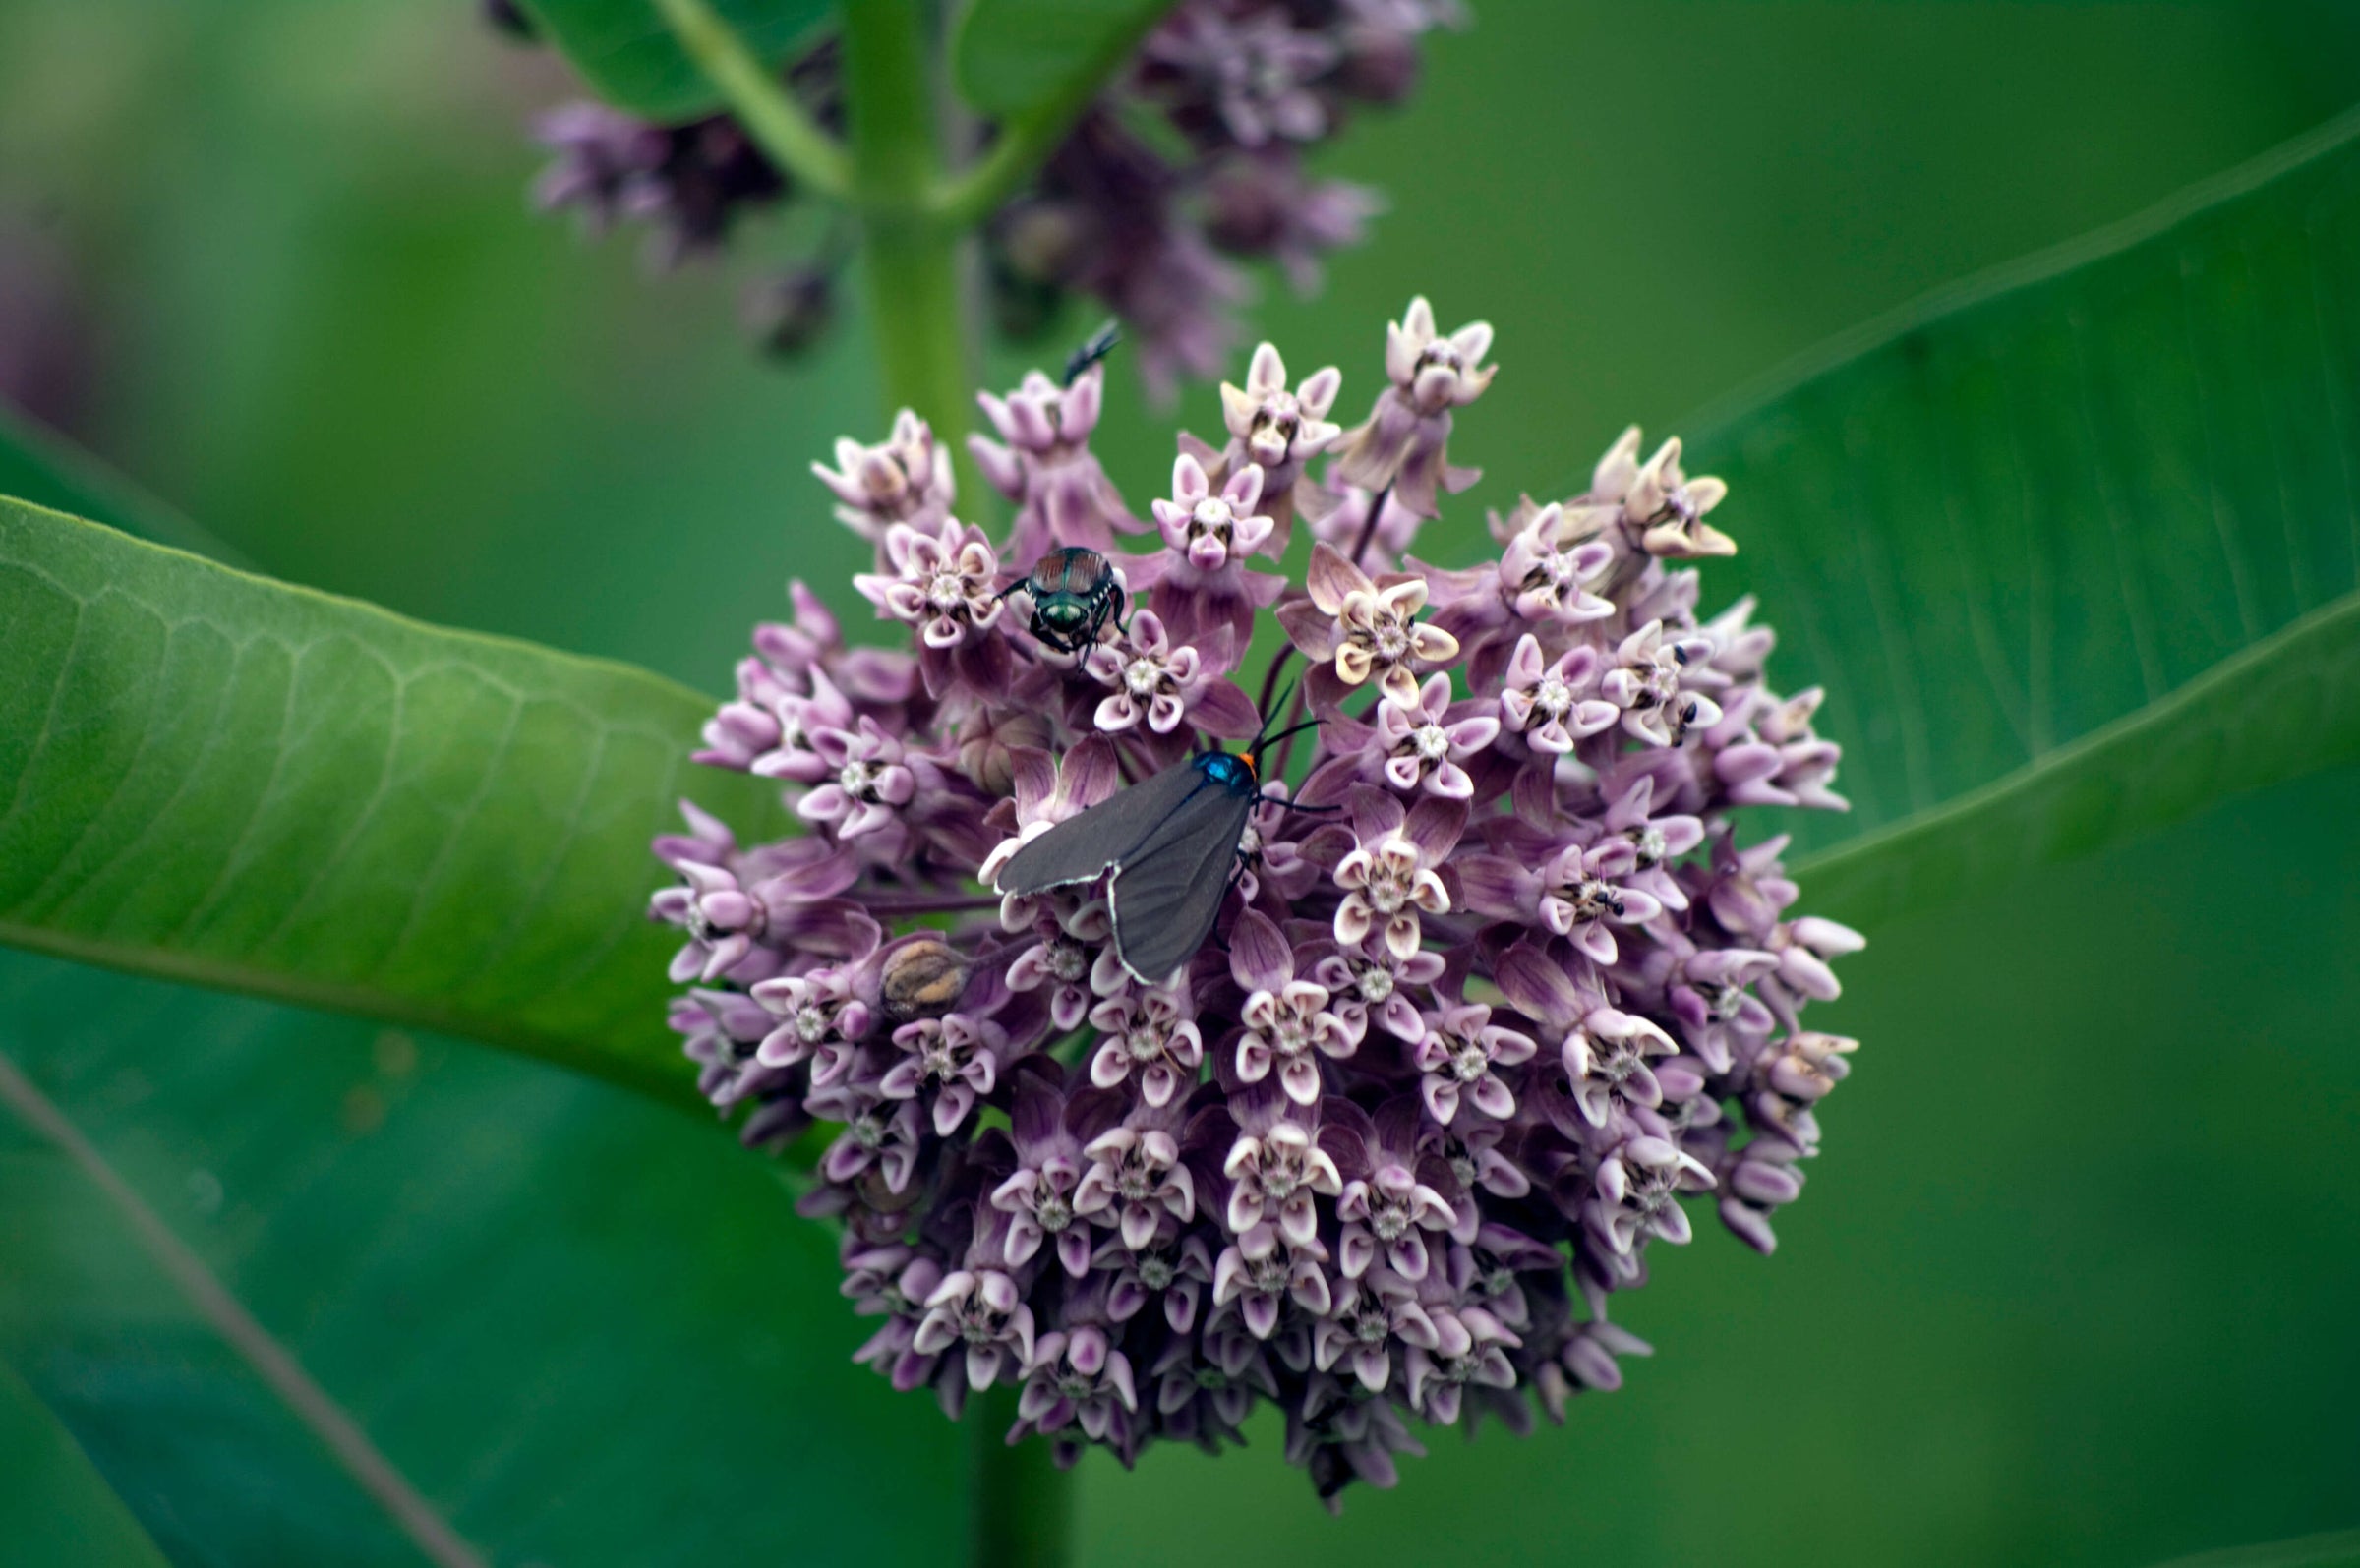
1291,729
1262,735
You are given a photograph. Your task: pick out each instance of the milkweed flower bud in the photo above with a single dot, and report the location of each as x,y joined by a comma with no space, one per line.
1502,996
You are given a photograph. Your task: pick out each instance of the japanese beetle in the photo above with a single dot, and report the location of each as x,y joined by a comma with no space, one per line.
1075,595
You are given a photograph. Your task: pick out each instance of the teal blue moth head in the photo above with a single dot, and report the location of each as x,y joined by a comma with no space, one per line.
1229,770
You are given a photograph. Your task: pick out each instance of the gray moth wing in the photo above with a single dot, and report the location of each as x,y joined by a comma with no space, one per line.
1167,893
1080,847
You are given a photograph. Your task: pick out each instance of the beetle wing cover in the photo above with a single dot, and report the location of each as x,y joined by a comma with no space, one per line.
1083,846
1168,891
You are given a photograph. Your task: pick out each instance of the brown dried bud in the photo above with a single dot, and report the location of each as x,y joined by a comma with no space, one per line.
923,979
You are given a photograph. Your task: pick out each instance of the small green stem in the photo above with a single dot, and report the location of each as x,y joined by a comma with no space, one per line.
912,257
1023,1503
757,97
1026,140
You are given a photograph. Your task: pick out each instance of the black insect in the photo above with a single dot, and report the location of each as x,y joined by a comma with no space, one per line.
1094,348
1075,595
1171,843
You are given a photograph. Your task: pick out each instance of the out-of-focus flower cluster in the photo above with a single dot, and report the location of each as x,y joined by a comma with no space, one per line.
1190,161
1461,1050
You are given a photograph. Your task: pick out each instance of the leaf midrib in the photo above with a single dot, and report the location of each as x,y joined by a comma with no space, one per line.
2338,616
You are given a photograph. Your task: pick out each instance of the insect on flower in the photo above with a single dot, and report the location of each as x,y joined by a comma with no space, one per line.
1526,1013
1075,593
1171,843
1092,349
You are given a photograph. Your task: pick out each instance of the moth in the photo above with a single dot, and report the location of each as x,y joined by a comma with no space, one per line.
1171,843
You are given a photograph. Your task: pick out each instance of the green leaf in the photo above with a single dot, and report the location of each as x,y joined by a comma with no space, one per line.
583,1328
215,778
1013,57
2073,549
40,466
628,56
2336,1548
55,1510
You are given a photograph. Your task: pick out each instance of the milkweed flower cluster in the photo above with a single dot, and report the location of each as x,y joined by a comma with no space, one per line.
1190,161
1515,1007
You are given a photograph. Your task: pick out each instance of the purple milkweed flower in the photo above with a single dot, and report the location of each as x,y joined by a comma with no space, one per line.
1403,446
1507,992
1174,1267
1643,679
1156,685
1043,463
904,479
1390,875
1264,1269
1135,1177
1356,630
984,1309
1201,580
1261,203
1148,1033
1386,1211
1278,433
1375,1314
690,182
879,1132
1456,1060
1075,1378
941,582
1637,1190
1193,153
1659,501
1426,745
1287,1026
1040,1198
1368,985
1276,1169
951,1061
1547,703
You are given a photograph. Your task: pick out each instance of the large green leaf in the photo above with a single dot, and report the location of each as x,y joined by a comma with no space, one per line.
55,1510
586,1329
1013,57
219,779
2073,549
629,57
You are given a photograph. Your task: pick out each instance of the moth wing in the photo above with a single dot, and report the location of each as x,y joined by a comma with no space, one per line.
1081,846
1167,893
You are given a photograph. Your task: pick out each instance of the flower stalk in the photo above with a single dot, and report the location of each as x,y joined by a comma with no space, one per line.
769,114
1022,1502
911,258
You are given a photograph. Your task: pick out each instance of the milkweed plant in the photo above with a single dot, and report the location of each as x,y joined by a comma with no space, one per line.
1271,943
1468,983
1460,1047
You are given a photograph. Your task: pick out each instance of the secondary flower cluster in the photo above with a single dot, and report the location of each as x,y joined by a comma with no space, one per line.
1190,160
1463,1047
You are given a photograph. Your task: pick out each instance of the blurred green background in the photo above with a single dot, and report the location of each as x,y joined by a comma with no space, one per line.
2076,1280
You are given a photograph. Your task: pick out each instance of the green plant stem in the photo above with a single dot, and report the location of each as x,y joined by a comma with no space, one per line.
1026,140
756,94
1023,1503
911,258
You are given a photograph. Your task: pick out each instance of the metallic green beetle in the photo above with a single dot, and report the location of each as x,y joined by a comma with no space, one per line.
1075,594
